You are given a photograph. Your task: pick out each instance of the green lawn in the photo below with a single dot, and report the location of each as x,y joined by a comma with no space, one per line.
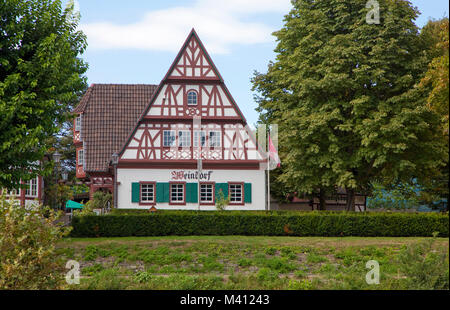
243,262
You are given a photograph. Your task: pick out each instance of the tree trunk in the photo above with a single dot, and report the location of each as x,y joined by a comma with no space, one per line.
322,205
350,199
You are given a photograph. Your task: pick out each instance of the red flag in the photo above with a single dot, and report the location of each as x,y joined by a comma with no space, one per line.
273,154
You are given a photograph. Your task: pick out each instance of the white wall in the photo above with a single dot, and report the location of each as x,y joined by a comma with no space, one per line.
127,176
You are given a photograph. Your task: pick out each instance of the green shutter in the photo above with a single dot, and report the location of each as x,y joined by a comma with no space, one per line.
166,192
223,187
162,192
135,192
247,192
192,192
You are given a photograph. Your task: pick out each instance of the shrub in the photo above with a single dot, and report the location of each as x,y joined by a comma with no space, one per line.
100,200
263,224
27,247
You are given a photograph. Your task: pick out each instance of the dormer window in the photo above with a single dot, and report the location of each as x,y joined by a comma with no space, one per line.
192,97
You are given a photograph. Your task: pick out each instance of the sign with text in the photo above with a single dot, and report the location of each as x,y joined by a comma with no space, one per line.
191,175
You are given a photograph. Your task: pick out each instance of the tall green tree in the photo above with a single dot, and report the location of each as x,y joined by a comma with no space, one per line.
435,84
436,79
40,75
343,94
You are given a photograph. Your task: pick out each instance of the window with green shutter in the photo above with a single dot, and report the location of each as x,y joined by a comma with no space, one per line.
192,192
135,192
247,192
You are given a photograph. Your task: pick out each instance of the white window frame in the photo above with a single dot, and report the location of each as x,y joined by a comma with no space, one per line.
199,136
208,190
78,123
32,187
233,193
147,192
175,190
171,136
192,100
184,138
81,157
215,138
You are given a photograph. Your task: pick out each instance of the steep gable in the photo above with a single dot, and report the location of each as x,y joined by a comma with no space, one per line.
193,62
192,72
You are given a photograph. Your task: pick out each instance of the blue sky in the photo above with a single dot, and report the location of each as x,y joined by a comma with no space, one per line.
135,41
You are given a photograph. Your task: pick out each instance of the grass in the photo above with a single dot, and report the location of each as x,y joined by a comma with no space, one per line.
244,262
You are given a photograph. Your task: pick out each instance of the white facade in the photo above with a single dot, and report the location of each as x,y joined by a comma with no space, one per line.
125,178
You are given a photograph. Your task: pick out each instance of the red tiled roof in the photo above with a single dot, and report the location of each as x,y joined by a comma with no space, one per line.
110,113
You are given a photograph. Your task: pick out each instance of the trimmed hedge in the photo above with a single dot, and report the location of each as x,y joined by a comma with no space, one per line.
265,224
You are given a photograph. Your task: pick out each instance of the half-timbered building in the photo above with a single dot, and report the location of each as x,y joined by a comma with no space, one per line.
175,145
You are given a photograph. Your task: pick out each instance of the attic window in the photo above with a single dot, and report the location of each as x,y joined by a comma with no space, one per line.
192,97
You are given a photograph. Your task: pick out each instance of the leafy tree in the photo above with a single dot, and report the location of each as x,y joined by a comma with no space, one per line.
343,94
435,84
40,74
437,76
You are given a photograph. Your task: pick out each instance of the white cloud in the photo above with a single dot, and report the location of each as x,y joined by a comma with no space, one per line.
219,24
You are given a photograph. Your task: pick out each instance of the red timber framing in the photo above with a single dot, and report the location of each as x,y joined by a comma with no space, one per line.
148,143
80,173
77,130
192,70
213,102
79,168
100,181
193,62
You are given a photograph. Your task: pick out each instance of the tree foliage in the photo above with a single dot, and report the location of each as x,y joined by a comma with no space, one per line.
343,94
436,33
435,84
40,74
57,194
